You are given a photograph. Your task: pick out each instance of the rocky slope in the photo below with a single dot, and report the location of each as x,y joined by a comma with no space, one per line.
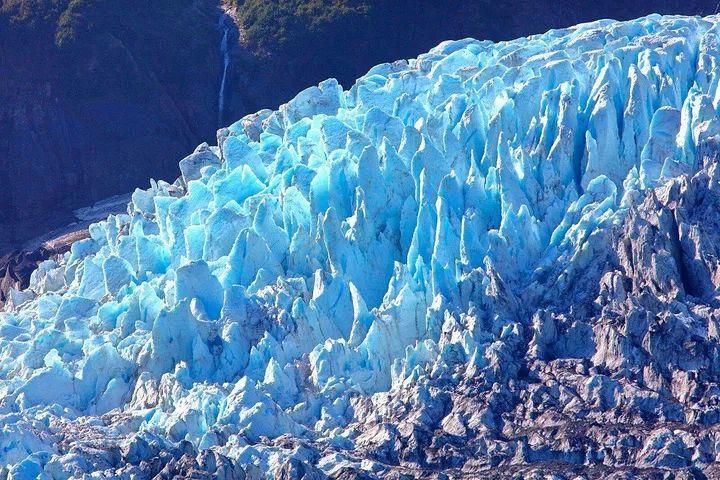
95,98
492,261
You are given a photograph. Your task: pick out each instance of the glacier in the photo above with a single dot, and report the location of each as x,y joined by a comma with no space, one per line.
496,258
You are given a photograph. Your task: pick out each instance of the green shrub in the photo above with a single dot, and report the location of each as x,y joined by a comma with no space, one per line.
274,26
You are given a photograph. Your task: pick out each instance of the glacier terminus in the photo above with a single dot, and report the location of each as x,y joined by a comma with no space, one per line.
496,260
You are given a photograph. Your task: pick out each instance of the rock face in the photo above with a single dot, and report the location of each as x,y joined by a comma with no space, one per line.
105,112
494,260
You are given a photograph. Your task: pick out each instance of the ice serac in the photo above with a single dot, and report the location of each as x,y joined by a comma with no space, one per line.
492,259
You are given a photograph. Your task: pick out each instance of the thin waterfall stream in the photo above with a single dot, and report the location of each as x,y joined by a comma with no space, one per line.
225,51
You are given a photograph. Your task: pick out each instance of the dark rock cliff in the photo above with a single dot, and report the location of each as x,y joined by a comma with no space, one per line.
104,111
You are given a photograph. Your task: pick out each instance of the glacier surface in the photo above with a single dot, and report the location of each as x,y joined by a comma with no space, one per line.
449,224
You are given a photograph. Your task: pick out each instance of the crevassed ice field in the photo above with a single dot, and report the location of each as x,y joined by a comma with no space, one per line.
396,237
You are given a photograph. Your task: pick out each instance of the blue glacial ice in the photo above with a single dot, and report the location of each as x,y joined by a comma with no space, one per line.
322,252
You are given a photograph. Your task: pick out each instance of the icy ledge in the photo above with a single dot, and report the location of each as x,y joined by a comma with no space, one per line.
453,227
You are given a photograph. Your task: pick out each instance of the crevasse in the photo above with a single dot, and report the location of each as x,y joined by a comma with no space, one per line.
320,251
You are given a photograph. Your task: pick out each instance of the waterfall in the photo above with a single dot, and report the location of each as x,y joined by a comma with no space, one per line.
225,51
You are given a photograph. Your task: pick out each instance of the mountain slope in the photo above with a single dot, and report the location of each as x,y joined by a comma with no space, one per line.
93,87
495,259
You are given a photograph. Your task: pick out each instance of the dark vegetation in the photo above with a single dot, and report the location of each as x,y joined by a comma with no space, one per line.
96,96
278,27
